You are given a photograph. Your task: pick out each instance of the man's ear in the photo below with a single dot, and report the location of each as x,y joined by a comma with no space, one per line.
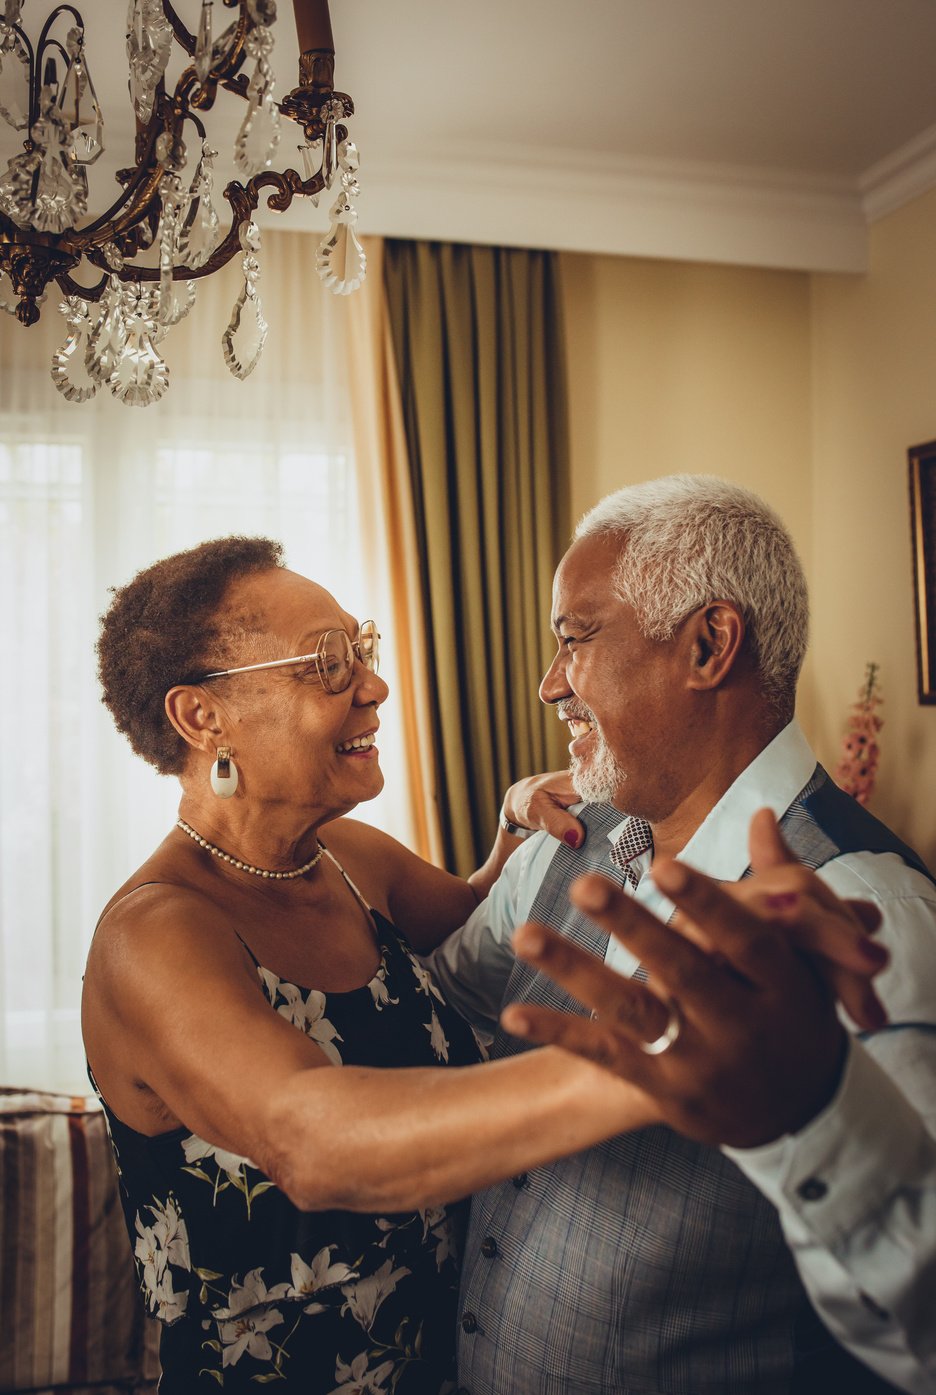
195,716
717,633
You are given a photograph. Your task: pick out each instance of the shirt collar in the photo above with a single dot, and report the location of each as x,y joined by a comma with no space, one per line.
719,846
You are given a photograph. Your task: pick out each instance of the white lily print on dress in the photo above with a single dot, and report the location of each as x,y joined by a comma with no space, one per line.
356,1379
365,1297
196,1149
230,1170
438,1223
305,1013
379,990
159,1247
309,1279
244,1323
424,978
437,1038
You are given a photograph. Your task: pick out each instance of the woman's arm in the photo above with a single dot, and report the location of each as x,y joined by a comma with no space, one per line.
173,1012
426,902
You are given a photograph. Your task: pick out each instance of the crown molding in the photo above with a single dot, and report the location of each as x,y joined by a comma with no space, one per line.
636,206
631,207
903,175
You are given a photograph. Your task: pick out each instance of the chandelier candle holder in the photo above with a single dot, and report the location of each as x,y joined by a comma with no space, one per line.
145,253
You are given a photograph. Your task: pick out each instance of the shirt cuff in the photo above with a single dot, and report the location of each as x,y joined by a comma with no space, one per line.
843,1167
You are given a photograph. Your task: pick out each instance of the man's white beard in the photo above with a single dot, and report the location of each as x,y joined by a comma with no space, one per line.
599,778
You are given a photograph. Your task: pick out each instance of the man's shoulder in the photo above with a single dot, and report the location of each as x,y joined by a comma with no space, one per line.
883,877
825,824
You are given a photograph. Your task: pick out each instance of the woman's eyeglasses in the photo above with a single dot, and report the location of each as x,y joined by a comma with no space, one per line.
332,663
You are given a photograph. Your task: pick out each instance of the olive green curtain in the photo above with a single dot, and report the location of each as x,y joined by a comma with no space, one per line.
477,337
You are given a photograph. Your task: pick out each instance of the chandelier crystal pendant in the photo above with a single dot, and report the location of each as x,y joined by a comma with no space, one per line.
143,255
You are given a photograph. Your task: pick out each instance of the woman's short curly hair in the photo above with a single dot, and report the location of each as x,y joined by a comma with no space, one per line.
167,626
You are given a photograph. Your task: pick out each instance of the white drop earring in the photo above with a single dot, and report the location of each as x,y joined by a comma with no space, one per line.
224,775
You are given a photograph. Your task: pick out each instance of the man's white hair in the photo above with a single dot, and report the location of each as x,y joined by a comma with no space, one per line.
687,540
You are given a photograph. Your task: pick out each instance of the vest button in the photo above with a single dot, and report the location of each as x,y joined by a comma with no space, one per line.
521,1180
469,1323
489,1247
813,1189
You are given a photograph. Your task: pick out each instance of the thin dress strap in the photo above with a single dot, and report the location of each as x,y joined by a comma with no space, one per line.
332,858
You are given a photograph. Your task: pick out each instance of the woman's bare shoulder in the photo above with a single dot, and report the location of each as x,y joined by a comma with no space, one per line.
164,908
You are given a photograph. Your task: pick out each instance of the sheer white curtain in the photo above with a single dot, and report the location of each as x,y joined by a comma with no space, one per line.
89,494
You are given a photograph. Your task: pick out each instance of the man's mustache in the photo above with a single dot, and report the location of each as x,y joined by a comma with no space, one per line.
573,707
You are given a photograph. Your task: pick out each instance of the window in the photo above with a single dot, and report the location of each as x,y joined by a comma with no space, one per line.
88,495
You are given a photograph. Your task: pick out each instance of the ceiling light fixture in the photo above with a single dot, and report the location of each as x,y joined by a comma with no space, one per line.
163,231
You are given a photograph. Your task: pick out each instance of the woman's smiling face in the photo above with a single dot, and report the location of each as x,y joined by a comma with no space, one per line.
294,742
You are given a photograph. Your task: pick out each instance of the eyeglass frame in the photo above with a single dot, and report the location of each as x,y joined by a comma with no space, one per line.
371,663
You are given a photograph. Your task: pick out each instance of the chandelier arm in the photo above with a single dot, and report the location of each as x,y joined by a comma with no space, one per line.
112,223
35,76
243,200
227,74
55,43
30,51
197,122
185,38
71,287
59,10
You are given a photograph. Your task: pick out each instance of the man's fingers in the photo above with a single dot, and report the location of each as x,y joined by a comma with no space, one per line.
766,847
750,944
831,929
686,971
595,1040
868,913
620,1003
856,995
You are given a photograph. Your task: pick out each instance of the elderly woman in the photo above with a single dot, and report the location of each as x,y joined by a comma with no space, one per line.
291,1221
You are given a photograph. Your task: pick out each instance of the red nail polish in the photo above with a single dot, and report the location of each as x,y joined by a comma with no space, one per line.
571,837
874,953
782,900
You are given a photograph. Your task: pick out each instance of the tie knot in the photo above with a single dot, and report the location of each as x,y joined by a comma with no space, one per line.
632,843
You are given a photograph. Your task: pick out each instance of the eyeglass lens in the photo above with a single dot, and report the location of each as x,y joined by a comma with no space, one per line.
337,655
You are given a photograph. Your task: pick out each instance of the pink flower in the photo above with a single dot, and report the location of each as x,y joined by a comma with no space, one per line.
857,768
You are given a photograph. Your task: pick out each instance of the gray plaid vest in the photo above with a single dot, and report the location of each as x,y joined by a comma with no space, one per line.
647,1265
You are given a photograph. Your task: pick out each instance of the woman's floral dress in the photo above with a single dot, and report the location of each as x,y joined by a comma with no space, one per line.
254,1292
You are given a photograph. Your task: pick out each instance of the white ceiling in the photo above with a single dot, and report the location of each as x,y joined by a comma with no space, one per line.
766,132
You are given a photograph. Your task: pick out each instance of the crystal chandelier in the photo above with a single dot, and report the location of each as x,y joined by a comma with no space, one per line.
145,253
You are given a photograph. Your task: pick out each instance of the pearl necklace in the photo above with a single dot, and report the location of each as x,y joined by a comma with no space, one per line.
245,866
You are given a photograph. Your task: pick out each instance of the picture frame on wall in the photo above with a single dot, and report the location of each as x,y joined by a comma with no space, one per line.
922,462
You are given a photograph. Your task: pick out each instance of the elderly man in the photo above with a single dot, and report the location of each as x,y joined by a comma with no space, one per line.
655,1263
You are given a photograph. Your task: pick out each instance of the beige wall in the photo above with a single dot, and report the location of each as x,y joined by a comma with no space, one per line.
808,390
874,393
682,367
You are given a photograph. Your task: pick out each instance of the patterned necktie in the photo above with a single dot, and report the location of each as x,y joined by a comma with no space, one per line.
633,843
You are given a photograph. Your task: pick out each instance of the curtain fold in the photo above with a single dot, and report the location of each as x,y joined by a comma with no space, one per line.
387,517
478,345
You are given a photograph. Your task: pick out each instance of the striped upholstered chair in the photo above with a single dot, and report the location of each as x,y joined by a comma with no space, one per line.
71,1317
